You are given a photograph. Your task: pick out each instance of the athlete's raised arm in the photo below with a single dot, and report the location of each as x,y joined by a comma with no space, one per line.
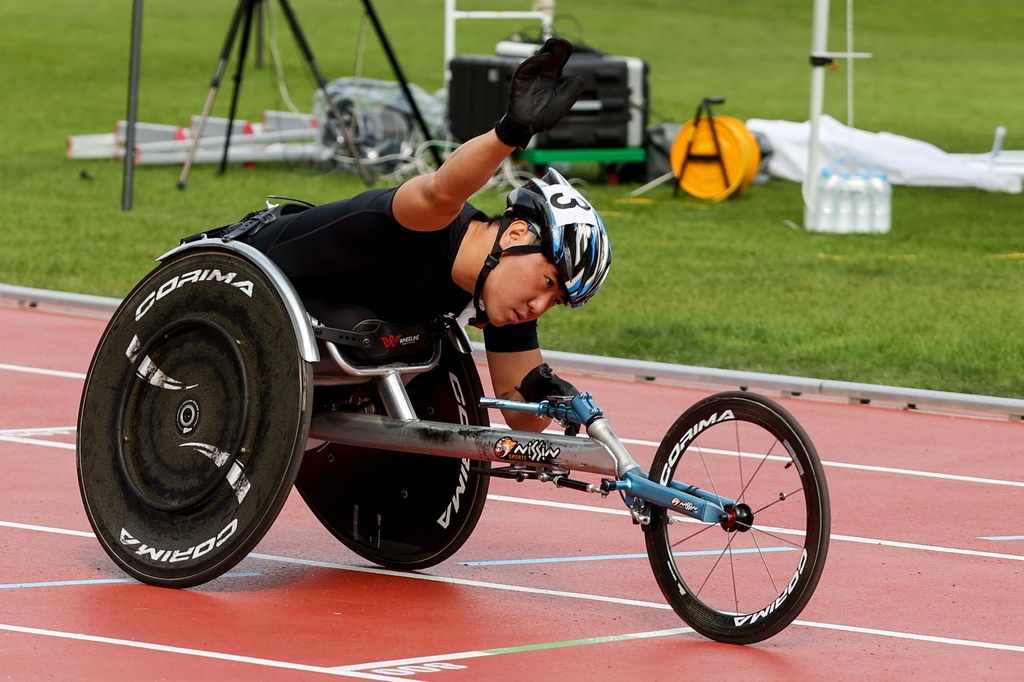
538,99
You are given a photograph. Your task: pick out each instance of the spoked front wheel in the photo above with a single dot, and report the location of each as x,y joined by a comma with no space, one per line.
747,577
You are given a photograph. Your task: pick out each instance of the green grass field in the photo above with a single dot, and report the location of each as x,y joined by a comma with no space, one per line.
935,304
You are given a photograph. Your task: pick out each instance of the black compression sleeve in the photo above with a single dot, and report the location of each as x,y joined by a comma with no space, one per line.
511,338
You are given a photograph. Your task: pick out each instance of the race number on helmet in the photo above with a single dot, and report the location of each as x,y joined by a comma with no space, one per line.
573,236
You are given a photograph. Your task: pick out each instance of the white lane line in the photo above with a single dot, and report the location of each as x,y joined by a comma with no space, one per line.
47,372
36,441
834,536
419,660
925,474
383,666
528,590
619,557
47,529
234,658
558,505
459,581
927,548
910,635
1001,537
627,602
32,436
97,581
847,465
40,431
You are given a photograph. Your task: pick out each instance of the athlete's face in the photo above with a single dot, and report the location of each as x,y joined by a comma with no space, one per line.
521,287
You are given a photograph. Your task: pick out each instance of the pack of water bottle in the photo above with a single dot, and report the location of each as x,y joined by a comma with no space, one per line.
853,198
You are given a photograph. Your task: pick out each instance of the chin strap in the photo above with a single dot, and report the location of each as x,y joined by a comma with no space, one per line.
480,319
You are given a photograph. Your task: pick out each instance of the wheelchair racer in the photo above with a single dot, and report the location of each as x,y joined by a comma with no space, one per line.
419,250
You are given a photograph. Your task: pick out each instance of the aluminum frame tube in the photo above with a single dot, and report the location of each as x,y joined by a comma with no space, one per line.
454,440
396,399
600,430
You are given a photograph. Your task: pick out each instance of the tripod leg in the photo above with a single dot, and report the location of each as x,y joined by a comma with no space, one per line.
397,68
242,49
259,35
225,54
322,82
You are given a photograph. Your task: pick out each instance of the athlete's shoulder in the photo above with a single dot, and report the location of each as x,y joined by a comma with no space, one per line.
470,212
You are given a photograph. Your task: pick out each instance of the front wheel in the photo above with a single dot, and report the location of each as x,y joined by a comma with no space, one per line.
746,578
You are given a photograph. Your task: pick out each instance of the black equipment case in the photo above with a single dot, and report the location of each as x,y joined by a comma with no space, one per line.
612,111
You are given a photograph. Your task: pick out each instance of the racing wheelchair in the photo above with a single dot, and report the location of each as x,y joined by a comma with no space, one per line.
215,388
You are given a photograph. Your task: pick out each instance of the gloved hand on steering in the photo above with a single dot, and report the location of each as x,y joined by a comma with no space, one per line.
539,98
542,383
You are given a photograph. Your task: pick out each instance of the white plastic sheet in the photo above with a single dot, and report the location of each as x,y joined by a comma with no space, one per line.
906,161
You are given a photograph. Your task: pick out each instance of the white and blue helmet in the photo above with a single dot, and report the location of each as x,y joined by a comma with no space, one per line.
573,236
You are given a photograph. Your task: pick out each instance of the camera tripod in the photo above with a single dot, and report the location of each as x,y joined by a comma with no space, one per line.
250,9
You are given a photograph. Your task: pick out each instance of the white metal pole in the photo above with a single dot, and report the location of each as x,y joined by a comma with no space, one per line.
849,65
819,45
449,39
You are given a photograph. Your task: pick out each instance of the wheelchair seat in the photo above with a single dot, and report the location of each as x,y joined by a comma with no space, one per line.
367,340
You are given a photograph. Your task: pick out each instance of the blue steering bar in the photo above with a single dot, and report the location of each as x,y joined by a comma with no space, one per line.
581,410
686,499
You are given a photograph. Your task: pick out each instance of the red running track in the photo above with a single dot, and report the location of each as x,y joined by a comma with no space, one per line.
911,586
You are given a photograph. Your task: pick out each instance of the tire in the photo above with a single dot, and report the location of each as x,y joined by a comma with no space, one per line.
193,419
746,582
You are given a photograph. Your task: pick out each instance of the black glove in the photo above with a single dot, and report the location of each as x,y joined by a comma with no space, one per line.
538,98
542,383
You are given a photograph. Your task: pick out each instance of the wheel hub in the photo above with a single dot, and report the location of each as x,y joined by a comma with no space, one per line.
737,517
187,417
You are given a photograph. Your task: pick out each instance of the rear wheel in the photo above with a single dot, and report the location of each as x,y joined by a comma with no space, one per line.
193,419
746,578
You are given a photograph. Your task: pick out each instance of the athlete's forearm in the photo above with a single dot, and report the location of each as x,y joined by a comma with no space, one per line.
468,169
429,202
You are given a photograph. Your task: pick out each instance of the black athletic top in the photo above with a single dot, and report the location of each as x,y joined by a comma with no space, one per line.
354,251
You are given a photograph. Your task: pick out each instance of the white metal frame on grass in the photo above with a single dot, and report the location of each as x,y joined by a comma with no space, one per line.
820,59
453,14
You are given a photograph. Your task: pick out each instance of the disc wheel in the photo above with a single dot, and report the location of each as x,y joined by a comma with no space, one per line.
747,577
193,419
